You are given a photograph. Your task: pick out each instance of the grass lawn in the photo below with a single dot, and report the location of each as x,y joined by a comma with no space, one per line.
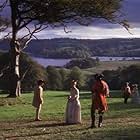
121,122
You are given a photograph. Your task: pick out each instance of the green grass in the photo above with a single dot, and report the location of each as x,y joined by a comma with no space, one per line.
121,122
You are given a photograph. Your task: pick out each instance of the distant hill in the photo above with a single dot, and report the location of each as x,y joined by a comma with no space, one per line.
79,48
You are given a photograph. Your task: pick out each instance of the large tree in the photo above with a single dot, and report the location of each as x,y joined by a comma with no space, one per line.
35,15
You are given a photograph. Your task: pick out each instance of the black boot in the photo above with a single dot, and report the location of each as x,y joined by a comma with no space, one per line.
125,100
100,121
93,118
93,122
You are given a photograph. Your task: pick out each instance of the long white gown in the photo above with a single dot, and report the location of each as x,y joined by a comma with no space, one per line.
135,97
73,109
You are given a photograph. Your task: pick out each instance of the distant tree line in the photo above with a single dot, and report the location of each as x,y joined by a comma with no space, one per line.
116,78
60,78
78,48
81,48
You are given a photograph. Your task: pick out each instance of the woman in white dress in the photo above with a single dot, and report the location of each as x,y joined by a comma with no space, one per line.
135,98
73,109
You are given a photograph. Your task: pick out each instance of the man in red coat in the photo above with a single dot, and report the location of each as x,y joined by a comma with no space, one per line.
100,91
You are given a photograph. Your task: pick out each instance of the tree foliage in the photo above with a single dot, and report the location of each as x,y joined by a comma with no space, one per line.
116,78
76,74
30,71
54,78
82,63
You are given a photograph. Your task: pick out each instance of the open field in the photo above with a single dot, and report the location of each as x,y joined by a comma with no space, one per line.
121,122
111,65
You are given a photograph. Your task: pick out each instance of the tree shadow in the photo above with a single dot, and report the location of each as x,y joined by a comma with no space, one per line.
113,94
50,125
122,106
85,95
122,110
43,132
61,96
124,134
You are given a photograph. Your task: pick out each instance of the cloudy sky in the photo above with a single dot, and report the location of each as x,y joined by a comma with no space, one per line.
101,30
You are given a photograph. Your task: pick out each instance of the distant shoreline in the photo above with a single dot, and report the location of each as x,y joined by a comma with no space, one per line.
61,62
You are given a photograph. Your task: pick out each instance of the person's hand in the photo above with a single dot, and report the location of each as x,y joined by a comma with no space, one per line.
108,95
69,97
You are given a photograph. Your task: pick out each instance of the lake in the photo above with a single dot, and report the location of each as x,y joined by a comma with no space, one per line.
61,62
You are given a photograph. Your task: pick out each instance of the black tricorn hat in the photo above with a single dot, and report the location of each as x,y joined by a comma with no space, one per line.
99,76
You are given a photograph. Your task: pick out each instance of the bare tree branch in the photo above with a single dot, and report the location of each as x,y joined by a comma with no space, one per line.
28,37
7,35
2,6
24,74
25,24
125,24
4,69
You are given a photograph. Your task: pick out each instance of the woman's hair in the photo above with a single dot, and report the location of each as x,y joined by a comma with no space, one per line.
39,82
73,82
127,83
134,85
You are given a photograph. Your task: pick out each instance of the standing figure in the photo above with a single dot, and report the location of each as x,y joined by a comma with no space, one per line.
126,92
135,94
38,98
100,90
73,109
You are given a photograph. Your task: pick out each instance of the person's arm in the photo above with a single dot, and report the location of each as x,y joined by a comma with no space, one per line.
77,94
107,91
69,96
41,95
128,90
93,91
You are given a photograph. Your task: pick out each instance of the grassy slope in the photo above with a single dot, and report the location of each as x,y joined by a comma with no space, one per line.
110,65
122,122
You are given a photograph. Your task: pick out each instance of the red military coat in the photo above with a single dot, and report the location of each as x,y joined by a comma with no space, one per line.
100,91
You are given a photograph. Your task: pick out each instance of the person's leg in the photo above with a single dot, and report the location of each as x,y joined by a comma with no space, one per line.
125,100
38,113
100,118
93,124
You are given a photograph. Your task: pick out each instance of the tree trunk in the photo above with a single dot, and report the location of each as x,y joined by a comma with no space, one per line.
14,76
15,90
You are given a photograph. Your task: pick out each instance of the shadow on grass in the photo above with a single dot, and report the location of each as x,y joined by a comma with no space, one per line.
43,132
122,106
87,95
113,134
97,133
50,125
10,101
60,96
122,110
123,134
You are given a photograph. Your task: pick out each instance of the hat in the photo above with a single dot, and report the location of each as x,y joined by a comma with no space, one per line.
98,76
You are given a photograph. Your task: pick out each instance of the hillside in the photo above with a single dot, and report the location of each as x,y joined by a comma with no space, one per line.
70,48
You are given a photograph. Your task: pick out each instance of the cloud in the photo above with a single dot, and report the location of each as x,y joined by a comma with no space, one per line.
90,32
99,29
